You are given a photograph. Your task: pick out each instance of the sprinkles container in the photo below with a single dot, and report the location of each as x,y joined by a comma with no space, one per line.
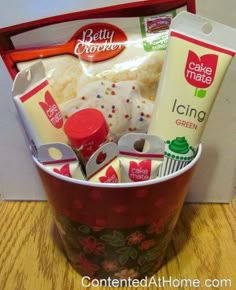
87,130
117,231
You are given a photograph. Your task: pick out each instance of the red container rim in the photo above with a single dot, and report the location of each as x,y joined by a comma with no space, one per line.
125,184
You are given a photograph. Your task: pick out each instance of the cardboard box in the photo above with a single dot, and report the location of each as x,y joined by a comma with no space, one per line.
216,173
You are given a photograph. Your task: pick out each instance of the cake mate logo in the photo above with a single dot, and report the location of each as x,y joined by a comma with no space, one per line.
64,170
200,71
52,111
99,41
110,176
140,171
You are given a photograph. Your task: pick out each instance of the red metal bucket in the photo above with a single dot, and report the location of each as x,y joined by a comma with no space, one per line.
117,230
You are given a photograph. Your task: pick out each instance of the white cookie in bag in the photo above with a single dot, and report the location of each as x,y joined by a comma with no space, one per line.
115,67
122,105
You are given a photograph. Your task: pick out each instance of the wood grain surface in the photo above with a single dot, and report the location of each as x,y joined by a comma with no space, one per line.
31,255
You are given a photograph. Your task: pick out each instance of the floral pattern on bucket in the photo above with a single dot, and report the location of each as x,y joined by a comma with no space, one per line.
116,253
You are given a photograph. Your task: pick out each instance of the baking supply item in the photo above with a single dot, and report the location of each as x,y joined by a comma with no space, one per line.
104,166
39,112
138,164
198,55
86,130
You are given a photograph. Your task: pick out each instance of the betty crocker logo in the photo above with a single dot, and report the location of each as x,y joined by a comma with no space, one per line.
99,41
200,70
52,111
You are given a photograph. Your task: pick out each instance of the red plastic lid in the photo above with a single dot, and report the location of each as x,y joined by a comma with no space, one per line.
86,125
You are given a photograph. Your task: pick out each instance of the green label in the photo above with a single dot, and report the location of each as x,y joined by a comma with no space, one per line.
155,30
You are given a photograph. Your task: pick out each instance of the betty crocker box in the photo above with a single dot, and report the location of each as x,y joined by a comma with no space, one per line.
52,38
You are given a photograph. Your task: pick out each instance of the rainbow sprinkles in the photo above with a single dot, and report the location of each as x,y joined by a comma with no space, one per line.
122,104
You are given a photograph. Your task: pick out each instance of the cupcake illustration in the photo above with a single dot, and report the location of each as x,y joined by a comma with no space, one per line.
178,154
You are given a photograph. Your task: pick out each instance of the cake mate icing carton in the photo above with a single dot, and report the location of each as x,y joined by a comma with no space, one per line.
198,55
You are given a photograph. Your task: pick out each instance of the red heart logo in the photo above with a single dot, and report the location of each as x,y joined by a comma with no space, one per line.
200,71
140,171
110,177
64,170
52,110
101,157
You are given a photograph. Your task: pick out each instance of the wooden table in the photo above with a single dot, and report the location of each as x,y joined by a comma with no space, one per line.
203,248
